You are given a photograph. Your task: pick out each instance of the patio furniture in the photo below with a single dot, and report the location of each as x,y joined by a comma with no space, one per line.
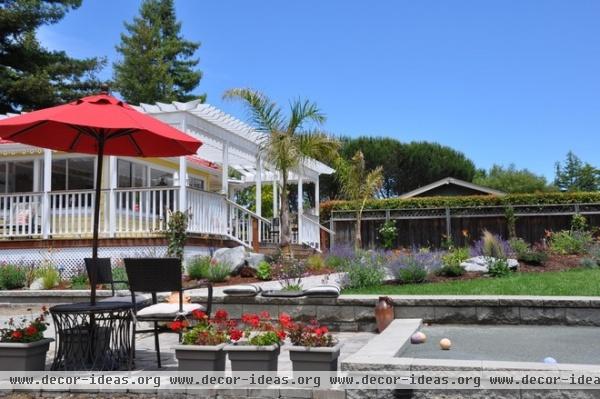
154,275
103,275
319,291
92,336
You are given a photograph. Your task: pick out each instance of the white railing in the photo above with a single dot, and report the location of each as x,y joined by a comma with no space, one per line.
144,210
240,223
209,212
137,211
21,215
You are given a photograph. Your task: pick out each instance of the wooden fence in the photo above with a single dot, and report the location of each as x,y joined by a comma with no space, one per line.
429,226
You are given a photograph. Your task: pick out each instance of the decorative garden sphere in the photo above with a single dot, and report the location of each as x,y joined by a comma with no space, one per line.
418,338
445,344
550,360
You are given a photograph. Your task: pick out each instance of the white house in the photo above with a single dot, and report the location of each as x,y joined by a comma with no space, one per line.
46,196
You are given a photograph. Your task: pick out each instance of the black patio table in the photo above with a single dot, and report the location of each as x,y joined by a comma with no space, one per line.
93,336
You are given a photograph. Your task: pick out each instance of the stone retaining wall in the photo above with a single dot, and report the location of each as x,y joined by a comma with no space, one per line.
356,312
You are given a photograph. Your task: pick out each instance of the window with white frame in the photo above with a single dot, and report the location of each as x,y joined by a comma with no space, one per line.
134,174
16,176
73,173
196,182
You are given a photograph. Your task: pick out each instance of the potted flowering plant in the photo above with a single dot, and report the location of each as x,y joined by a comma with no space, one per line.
313,347
22,344
203,340
257,342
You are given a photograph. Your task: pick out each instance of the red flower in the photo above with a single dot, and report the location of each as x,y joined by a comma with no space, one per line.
285,320
235,335
199,314
324,329
251,319
178,325
17,334
31,330
221,314
265,315
281,334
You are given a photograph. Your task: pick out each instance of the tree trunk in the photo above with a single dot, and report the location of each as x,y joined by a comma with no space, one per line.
357,232
284,219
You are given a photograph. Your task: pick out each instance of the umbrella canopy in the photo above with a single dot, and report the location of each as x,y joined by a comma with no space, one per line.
80,125
100,125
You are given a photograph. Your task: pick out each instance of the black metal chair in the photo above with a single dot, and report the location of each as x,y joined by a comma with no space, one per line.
103,275
154,275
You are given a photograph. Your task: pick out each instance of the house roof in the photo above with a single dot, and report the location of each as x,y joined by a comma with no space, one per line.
451,180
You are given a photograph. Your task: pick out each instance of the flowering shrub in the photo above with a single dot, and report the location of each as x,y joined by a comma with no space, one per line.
312,334
25,330
206,331
388,233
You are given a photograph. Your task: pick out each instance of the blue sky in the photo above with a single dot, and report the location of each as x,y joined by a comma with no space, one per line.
509,81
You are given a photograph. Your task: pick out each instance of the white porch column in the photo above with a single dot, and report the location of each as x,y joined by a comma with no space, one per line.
46,196
182,183
36,175
225,169
300,208
258,181
112,196
317,202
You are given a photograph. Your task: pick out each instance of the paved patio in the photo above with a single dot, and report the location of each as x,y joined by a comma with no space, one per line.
146,356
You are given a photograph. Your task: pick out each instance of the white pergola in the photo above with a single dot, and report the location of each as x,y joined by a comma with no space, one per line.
231,143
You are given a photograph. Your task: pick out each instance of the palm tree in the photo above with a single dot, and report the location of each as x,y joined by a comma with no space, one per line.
287,141
358,185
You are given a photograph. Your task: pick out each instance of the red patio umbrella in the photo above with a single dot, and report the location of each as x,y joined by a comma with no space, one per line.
100,125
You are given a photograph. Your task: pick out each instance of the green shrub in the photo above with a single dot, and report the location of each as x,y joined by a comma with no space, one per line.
388,233
498,267
79,281
462,201
519,246
573,242
451,262
334,262
534,257
264,271
578,223
50,276
120,274
12,277
588,263
315,263
365,272
413,273
197,268
218,272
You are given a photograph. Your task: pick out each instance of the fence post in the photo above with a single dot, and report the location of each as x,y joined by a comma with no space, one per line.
387,215
448,224
576,209
331,236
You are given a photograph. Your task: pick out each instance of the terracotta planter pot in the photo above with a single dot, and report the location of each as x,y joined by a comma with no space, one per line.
24,357
315,358
384,312
200,357
253,358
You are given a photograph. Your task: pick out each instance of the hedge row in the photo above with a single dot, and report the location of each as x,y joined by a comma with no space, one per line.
463,201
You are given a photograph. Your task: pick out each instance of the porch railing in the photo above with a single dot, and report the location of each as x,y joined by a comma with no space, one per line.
127,212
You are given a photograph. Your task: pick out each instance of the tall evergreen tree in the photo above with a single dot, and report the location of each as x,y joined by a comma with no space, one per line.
157,62
31,76
575,175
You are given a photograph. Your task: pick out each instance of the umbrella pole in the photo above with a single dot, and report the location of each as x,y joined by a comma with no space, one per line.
97,196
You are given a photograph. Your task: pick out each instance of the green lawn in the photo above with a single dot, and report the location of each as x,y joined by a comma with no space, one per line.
585,282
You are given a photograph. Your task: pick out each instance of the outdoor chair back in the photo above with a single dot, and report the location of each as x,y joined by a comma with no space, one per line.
154,275
100,271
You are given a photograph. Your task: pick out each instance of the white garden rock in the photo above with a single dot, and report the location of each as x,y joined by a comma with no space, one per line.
234,257
480,264
237,258
37,284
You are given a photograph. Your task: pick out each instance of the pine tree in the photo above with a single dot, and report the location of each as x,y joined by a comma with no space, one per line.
32,77
576,175
157,63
